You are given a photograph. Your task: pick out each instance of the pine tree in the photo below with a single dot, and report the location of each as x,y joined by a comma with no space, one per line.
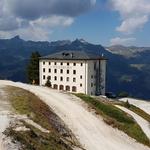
33,68
127,104
48,82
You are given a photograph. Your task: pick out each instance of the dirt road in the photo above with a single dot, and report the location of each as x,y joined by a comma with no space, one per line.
145,125
144,105
89,129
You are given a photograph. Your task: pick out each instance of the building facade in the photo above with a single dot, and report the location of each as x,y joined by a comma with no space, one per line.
74,71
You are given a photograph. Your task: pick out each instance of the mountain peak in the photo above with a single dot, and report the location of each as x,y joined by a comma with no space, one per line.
80,41
17,37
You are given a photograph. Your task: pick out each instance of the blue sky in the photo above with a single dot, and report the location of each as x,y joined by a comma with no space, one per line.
105,22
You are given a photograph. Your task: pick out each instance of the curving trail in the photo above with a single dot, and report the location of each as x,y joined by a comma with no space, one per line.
89,129
145,125
144,105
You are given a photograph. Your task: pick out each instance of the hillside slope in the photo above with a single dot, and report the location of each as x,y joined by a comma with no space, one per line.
88,128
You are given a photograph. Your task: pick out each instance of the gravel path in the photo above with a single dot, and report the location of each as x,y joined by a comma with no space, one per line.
89,129
144,105
145,125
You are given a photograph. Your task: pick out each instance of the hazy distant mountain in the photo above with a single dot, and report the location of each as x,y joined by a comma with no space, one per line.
124,73
131,51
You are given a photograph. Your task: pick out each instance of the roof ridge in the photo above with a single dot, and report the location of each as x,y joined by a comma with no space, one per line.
73,55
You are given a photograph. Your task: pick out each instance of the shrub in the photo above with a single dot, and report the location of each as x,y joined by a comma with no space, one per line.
127,104
48,82
123,94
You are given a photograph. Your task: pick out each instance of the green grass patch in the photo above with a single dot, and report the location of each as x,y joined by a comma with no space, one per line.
117,118
26,103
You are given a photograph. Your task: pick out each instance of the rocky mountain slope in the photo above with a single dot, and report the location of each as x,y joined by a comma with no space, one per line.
127,51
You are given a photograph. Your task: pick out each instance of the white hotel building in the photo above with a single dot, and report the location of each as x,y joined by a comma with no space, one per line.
74,71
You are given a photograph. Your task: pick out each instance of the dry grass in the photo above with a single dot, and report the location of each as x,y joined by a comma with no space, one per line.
59,138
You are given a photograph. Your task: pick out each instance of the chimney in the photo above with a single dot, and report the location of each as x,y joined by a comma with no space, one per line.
71,55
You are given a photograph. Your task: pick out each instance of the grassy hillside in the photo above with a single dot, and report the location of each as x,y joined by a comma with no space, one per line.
116,118
26,103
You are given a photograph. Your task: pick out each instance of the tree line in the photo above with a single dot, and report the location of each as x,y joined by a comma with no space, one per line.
33,70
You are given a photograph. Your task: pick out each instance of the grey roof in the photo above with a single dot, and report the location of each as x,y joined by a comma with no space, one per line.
73,55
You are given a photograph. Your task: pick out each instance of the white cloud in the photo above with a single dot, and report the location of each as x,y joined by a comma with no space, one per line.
52,21
36,19
29,33
131,24
134,14
122,41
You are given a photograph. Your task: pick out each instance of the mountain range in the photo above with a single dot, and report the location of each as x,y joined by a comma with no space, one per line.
128,68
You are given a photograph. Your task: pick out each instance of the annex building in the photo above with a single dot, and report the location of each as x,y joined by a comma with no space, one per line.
74,71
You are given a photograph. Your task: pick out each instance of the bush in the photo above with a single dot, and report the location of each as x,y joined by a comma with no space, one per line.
123,94
48,82
127,104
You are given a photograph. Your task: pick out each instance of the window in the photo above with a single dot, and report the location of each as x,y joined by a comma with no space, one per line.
55,71
67,71
43,69
74,64
92,76
67,79
43,62
81,64
91,84
49,63
61,87
74,79
74,71
74,89
49,70
61,78
67,88
67,64
55,86
80,85
80,77
44,77
55,78
55,63
61,70
61,63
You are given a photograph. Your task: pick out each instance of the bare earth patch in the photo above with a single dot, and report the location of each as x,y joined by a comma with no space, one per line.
5,119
